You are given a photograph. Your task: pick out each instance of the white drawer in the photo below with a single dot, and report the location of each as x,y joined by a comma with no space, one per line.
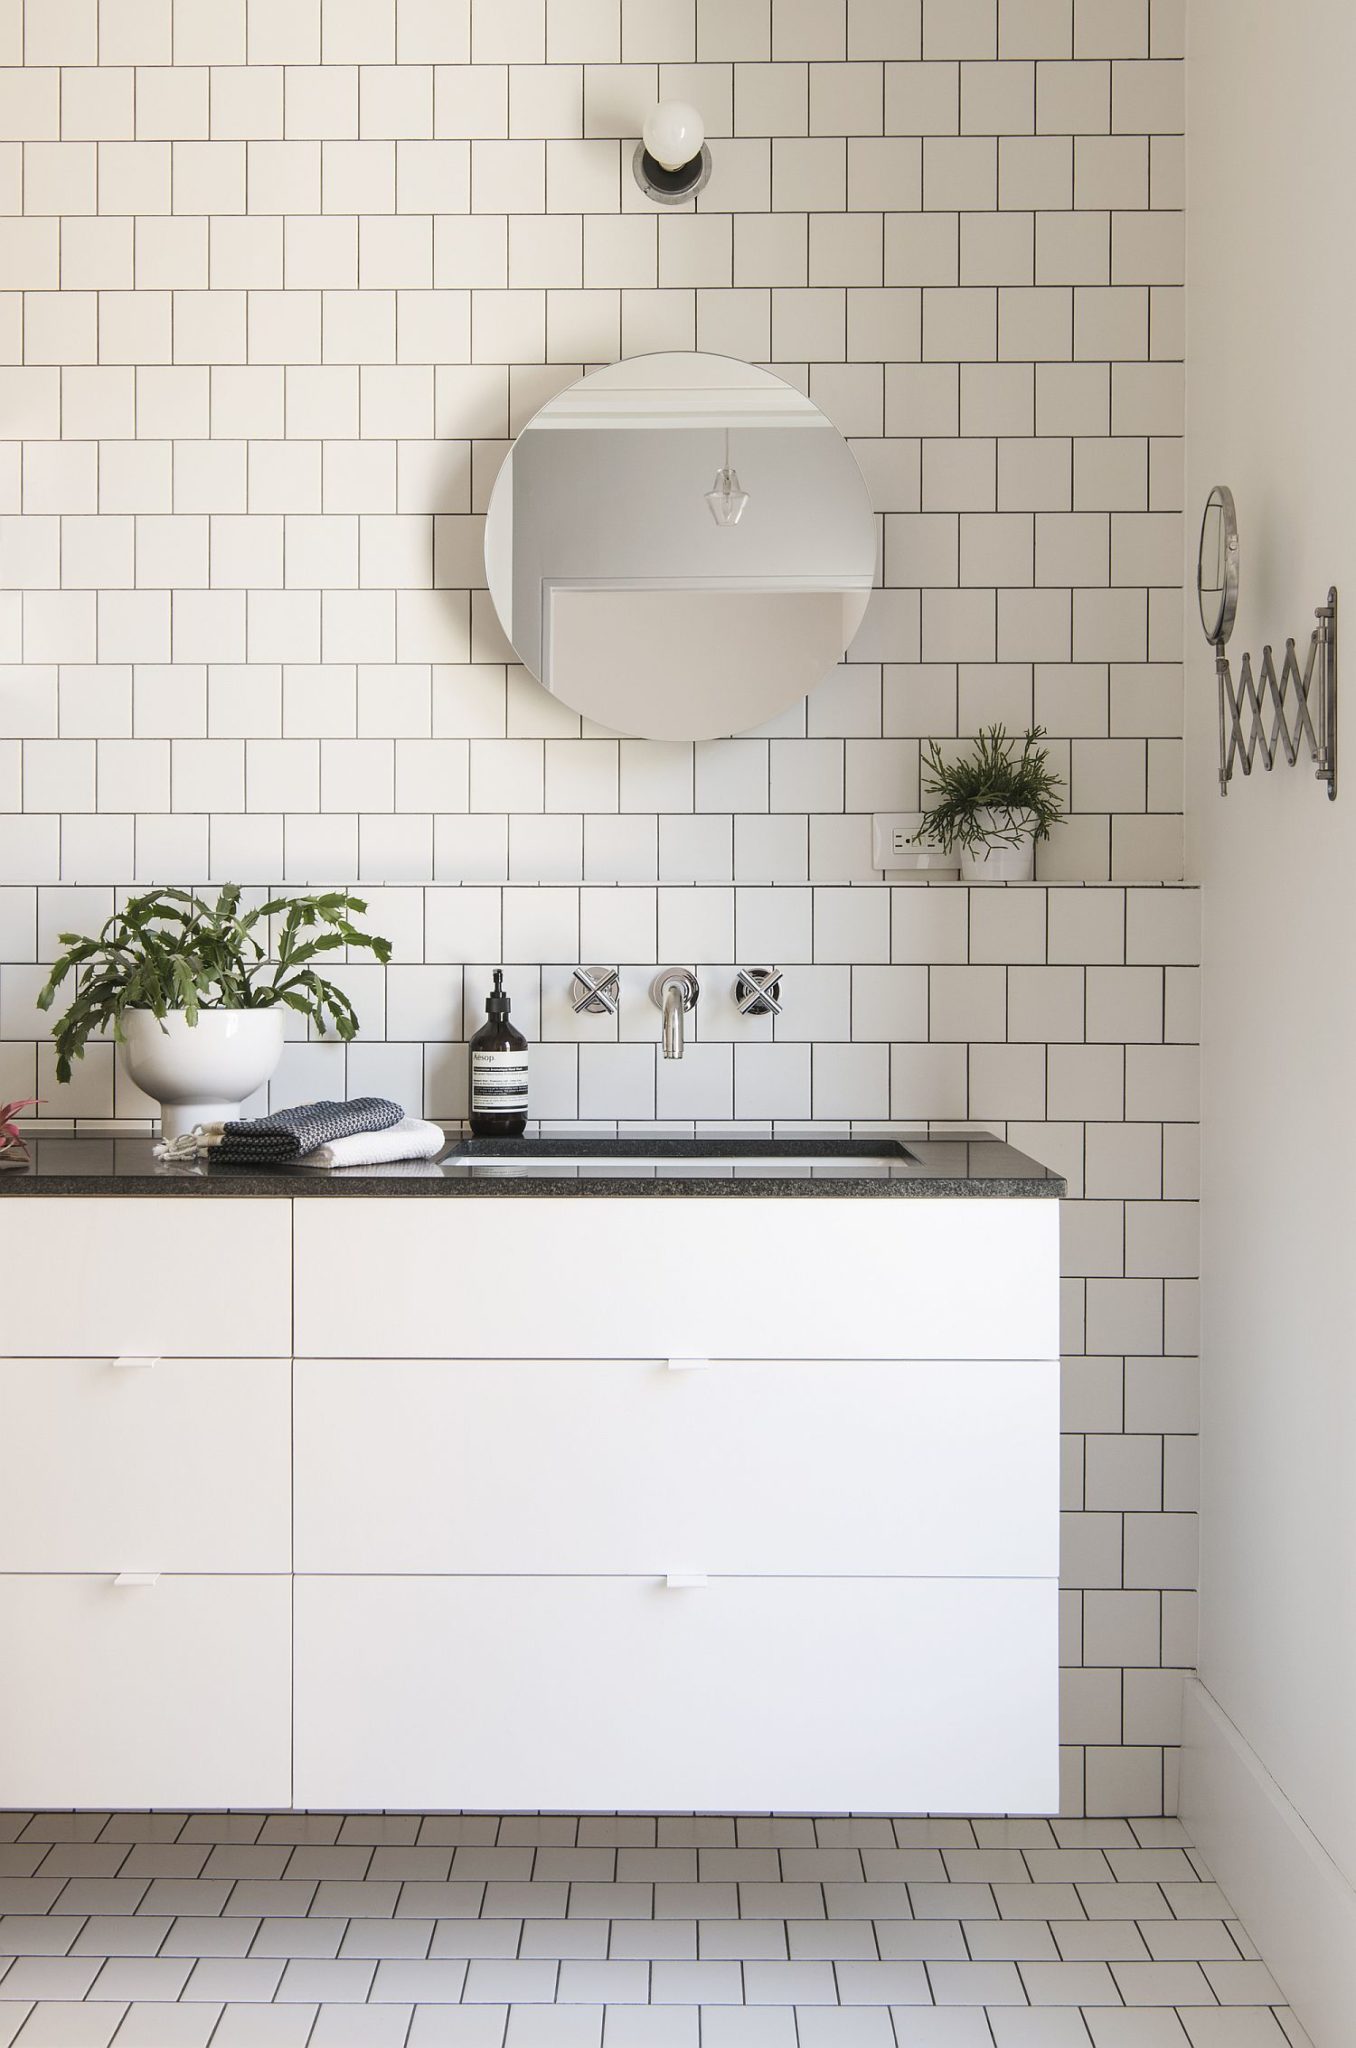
168,1465
818,1695
172,1695
178,1275
524,1277
786,1466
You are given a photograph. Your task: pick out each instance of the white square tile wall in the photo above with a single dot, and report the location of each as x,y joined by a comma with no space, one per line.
280,280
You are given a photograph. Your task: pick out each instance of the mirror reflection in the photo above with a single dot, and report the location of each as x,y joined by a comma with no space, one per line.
680,546
1217,568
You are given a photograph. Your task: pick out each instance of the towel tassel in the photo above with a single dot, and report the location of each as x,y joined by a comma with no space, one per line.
191,1144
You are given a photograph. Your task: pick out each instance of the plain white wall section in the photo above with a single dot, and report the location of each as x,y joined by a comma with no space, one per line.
1280,1880
1272,157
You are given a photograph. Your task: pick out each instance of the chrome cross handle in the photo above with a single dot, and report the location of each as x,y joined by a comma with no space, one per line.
758,991
595,991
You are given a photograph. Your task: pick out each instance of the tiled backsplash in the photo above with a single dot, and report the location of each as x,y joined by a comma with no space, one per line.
281,282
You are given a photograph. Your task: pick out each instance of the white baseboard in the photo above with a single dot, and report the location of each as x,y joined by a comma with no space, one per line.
1286,1889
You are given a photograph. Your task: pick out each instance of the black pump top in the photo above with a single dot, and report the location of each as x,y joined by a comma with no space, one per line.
497,1003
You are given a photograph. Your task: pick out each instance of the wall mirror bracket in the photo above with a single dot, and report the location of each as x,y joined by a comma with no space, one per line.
1265,712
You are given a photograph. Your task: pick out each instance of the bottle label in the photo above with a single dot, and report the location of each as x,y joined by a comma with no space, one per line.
499,1083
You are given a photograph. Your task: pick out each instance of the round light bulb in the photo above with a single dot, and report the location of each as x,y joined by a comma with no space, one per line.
674,133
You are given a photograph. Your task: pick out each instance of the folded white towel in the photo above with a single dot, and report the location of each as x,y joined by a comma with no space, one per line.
392,1169
411,1138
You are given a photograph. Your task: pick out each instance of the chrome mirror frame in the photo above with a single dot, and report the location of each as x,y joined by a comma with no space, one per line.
1221,502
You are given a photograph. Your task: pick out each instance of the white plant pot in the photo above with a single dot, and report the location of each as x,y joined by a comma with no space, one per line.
1002,861
202,1073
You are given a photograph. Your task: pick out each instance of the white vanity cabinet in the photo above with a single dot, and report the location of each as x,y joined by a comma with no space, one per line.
760,1466
696,1503
145,1502
537,1501
677,1277
798,1694
169,1690
159,1275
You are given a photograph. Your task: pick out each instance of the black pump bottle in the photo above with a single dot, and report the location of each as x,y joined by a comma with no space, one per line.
498,1071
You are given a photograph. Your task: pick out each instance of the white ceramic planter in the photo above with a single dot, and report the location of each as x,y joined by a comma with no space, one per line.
202,1073
1002,862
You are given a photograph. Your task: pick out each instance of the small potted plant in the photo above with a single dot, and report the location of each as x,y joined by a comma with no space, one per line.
991,805
193,997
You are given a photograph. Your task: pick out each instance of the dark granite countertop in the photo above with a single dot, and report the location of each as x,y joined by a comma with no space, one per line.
969,1164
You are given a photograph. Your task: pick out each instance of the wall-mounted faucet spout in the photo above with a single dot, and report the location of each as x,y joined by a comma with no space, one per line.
675,991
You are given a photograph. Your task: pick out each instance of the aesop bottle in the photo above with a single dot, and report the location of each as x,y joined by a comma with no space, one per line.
498,1071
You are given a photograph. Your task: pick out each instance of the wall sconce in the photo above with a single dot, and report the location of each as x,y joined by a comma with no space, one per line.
672,162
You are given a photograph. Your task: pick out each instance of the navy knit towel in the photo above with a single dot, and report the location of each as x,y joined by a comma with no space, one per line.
290,1133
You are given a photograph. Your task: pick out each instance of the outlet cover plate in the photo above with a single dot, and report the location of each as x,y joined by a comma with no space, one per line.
892,850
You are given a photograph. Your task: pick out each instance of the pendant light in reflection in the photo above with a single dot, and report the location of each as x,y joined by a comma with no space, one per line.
726,497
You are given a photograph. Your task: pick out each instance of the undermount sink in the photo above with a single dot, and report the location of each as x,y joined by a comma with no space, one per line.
684,1158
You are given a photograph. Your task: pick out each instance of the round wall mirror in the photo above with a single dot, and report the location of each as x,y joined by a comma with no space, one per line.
680,546
1217,568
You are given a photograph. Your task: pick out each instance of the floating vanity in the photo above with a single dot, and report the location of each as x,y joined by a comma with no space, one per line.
699,1477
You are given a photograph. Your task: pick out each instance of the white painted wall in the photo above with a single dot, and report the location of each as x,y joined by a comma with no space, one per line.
1272,411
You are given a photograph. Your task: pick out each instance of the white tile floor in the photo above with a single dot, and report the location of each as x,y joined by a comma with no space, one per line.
407,1931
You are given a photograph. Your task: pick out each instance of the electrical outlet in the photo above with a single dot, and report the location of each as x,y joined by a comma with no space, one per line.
890,835
893,848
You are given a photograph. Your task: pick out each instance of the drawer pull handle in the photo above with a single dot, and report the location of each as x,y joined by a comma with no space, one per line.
137,1579
129,1364
687,1364
684,1581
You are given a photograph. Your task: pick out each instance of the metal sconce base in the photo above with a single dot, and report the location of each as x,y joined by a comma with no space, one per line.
671,188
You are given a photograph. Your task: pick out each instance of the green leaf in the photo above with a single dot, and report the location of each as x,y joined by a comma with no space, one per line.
186,987
327,944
